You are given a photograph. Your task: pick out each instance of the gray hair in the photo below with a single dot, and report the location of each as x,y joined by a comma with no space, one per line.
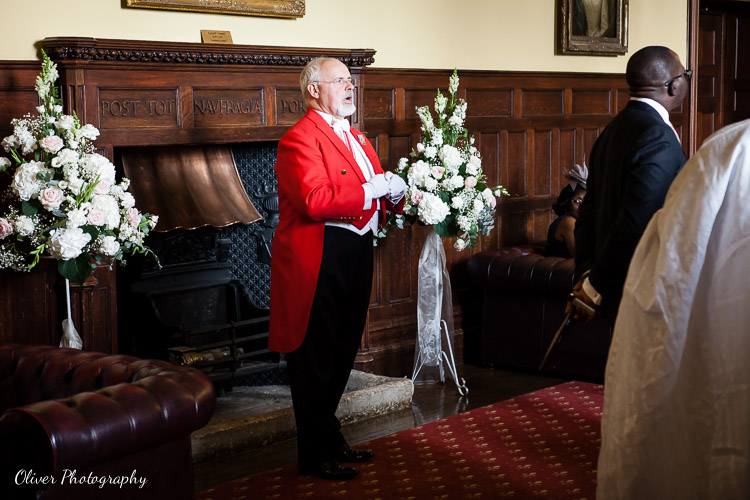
310,74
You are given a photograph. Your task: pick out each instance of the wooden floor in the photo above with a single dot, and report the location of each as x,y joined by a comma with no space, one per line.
430,403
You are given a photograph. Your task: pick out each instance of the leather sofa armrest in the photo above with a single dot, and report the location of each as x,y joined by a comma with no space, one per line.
159,406
520,269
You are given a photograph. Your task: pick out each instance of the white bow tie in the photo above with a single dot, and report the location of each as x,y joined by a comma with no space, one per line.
340,125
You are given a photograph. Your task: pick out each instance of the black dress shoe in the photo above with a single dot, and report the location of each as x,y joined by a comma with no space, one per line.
348,454
329,470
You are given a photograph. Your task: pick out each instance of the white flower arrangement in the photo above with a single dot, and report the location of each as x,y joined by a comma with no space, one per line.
63,199
446,186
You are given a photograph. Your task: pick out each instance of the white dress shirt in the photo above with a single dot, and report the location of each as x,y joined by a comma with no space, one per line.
342,130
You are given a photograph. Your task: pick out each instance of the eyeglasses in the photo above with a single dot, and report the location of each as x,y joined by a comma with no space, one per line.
576,201
687,74
338,81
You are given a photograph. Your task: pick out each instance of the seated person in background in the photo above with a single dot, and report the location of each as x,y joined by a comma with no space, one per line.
561,234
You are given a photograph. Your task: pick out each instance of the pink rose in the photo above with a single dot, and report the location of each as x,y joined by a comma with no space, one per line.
437,172
5,228
416,197
101,188
134,217
470,182
51,197
52,143
96,217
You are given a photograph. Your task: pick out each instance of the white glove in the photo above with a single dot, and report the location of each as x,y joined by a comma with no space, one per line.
396,187
376,187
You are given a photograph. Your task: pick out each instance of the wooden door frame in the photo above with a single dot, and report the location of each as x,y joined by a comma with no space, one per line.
693,16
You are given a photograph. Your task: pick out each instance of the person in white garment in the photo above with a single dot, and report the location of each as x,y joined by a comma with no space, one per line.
676,419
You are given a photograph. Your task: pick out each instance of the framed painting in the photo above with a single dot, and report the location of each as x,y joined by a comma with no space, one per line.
592,27
267,8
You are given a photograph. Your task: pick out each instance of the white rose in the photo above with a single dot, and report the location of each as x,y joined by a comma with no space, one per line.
460,244
67,243
430,183
76,218
455,182
25,225
457,202
451,157
109,209
478,207
430,152
65,157
432,210
418,172
109,245
127,200
420,147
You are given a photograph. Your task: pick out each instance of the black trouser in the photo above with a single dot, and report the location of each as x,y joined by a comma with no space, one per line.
319,369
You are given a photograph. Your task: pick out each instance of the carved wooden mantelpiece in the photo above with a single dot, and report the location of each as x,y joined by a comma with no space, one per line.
142,93
139,51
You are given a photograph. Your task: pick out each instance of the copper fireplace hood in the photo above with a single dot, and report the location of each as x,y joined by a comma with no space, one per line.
188,186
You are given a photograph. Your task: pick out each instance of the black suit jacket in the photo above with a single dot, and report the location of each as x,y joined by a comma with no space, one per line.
631,166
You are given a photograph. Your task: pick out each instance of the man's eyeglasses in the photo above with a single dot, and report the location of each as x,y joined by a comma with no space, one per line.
687,74
577,201
338,81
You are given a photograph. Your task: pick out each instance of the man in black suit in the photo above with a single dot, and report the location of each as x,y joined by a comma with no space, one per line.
631,167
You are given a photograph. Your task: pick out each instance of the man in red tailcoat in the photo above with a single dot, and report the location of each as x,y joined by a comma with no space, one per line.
332,197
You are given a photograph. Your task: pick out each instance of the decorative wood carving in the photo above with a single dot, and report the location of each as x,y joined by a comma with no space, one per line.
139,51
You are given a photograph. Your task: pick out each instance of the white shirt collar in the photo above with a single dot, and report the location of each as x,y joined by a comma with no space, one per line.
658,107
327,117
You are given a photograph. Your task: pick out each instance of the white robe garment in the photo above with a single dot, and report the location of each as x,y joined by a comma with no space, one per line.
676,420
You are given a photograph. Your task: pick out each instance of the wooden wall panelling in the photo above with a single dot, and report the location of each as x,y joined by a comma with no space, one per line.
528,128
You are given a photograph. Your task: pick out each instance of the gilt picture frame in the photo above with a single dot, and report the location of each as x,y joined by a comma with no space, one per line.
592,27
266,8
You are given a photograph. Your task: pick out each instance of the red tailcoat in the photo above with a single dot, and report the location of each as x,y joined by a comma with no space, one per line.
318,180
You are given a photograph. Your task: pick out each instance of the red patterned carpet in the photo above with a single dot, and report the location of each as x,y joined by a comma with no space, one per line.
541,445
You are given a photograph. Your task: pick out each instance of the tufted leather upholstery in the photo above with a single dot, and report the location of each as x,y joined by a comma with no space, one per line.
524,295
64,409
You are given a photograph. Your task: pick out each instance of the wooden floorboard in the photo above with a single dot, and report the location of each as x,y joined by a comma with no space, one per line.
431,402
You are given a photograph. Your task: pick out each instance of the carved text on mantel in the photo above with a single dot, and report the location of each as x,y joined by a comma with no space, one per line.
228,107
131,108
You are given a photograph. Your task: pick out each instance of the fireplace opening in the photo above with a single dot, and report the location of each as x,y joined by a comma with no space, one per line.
208,304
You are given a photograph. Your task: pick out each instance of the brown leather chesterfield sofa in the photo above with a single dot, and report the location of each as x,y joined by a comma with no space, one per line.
524,295
78,424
